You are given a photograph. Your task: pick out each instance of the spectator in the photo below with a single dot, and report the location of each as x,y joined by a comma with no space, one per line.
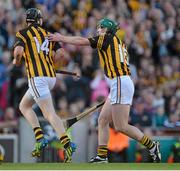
99,86
175,152
76,88
9,122
173,121
139,116
62,107
160,117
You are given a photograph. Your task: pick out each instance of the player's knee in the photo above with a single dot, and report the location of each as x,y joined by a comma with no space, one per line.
121,128
21,107
24,106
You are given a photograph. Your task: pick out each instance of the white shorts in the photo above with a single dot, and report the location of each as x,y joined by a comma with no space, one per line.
39,87
121,90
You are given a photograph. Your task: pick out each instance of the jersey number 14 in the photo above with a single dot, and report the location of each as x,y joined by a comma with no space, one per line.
43,47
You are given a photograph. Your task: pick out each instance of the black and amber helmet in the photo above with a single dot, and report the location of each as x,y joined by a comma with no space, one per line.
33,15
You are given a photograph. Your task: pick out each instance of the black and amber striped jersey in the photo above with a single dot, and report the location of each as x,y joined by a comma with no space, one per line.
37,51
113,55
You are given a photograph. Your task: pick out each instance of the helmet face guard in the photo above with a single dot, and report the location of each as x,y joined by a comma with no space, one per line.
33,15
109,24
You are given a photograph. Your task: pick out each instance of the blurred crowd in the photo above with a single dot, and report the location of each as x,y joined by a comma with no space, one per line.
151,31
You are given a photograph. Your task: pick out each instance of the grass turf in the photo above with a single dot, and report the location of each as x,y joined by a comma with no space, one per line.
86,166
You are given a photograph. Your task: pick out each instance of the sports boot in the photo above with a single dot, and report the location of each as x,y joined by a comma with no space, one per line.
39,146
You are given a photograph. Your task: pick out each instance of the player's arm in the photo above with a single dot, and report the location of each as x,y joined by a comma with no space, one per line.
18,49
18,53
75,40
59,52
100,42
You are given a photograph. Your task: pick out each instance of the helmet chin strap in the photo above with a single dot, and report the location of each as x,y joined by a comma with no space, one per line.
38,22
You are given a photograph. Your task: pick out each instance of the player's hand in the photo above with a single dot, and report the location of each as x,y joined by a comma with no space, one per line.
77,77
16,62
56,37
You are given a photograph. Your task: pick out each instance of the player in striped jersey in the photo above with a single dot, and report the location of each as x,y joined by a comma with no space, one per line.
114,61
32,44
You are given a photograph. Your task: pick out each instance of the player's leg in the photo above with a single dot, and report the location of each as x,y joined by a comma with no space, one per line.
120,115
25,107
103,133
120,118
44,101
47,108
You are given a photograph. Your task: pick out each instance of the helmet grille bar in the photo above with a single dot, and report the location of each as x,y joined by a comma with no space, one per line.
33,15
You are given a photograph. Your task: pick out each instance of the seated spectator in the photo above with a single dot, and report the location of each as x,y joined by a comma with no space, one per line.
174,44
158,99
160,117
173,121
9,122
139,116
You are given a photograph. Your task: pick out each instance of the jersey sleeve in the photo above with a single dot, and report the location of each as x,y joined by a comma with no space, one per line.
20,40
56,46
100,42
93,41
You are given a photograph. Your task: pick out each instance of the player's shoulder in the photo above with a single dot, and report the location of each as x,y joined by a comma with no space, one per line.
43,29
106,37
48,32
22,32
109,36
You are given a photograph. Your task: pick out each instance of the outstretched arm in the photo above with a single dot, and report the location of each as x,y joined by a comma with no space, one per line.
75,40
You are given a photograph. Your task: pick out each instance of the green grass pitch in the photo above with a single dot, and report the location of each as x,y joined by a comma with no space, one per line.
86,166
